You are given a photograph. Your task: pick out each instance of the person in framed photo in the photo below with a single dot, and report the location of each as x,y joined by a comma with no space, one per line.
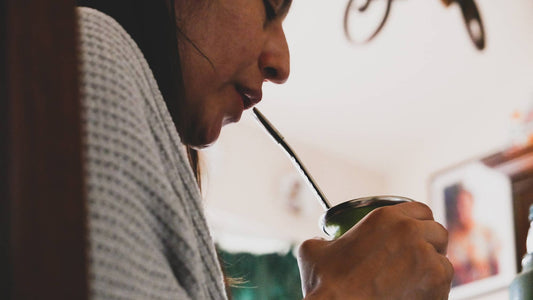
473,248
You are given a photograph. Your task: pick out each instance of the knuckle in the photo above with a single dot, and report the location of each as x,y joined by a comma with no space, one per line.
379,213
424,251
308,247
444,231
305,246
425,209
387,213
441,236
437,277
440,274
408,227
449,270
445,235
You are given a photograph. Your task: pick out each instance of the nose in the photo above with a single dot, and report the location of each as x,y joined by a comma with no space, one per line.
274,61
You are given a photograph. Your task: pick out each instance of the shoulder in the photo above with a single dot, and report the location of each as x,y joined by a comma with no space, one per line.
97,27
112,84
114,75
120,97
106,50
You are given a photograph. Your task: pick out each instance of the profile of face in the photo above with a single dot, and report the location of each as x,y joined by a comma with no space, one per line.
231,48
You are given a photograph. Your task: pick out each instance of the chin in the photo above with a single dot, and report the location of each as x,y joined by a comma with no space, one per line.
201,139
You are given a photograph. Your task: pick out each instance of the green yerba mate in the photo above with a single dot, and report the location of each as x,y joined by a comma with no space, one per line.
340,218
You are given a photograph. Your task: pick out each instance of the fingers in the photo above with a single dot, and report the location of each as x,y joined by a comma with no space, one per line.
310,255
310,249
419,222
449,270
442,277
416,210
369,253
435,234
435,274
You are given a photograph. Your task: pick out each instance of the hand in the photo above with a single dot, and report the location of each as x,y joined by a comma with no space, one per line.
395,252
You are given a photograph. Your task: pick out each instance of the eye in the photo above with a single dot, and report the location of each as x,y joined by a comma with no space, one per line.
270,12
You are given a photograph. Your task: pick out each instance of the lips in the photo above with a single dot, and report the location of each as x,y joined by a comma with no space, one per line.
250,97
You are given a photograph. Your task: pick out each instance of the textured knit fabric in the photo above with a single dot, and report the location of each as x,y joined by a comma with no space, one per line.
147,232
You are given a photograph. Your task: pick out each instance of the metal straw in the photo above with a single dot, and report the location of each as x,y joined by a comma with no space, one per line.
288,150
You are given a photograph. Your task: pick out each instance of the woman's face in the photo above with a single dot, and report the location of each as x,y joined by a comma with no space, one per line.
235,46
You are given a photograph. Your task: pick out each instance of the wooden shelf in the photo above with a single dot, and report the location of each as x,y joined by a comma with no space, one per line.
517,163
514,162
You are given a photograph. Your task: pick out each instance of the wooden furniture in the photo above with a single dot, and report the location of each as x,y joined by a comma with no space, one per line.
517,163
42,205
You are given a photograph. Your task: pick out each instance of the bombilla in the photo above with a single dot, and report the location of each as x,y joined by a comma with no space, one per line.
288,150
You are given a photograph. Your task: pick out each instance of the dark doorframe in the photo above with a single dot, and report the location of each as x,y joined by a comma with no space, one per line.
5,267
517,163
43,214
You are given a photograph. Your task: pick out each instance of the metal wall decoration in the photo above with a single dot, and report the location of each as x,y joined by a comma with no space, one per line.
376,13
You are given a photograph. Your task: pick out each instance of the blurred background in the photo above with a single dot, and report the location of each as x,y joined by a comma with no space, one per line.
380,118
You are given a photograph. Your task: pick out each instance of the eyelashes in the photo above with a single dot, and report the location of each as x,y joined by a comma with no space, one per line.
270,12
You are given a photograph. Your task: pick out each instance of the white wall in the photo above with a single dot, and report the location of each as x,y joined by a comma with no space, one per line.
248,172
420,83
379,119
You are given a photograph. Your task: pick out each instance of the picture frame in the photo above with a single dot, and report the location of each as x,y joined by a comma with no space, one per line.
474,202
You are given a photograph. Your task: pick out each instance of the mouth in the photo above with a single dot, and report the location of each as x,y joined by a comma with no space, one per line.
250,97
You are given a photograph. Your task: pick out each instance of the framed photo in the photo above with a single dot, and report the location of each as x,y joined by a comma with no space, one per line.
474,202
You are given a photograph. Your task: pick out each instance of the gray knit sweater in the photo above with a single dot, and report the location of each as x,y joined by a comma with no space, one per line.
147,232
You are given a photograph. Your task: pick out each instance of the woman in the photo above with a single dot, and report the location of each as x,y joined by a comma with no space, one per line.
160,78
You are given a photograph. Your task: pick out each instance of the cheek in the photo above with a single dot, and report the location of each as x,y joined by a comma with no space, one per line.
202,122
231,56
198,75
236,43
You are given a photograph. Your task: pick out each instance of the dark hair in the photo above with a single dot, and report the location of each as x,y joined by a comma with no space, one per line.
152,25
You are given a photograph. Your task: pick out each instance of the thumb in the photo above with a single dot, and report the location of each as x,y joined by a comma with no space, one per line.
309,254
310,249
